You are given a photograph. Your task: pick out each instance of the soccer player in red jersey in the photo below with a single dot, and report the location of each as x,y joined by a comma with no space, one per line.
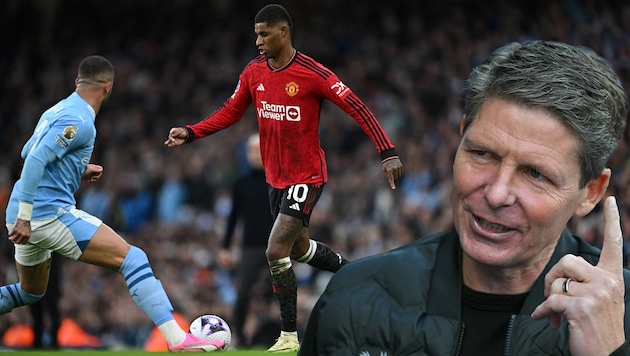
287,88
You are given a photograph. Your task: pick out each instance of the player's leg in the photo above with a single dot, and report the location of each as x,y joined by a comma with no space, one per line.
108,249
283,234
105,248
317,253
88,240
291,208
30,288
33,268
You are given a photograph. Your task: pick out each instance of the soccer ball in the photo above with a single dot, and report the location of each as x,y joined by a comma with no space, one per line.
212,327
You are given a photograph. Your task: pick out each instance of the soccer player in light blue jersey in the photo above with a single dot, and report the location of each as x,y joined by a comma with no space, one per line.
41,215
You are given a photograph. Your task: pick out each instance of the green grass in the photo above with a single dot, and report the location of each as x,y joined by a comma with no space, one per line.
121,353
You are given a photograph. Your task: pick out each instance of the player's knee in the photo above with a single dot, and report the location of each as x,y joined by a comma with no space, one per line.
135,258
274,253
280,245
136,267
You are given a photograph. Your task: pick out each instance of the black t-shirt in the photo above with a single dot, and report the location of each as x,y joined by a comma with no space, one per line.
486,318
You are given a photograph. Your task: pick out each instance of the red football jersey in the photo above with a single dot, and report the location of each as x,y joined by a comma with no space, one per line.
288,102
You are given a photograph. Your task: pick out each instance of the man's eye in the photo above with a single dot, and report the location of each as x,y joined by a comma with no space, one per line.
536,174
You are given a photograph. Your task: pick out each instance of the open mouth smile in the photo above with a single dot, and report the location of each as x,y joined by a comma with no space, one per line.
491,226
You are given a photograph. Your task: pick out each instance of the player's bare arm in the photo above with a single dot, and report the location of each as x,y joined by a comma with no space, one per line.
393,168
176,136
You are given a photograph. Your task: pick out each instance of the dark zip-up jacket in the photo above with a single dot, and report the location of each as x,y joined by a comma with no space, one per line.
408,302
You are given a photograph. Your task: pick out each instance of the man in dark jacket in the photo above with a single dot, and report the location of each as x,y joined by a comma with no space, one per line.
541,119
250,205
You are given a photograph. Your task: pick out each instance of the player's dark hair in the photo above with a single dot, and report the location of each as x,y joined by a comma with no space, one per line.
96,69
273,14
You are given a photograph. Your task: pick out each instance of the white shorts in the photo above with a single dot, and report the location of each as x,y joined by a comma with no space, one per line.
68,235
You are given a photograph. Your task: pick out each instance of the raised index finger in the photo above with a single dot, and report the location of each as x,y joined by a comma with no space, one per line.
611,258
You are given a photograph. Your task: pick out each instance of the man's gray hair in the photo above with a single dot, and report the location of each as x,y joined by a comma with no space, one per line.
572,83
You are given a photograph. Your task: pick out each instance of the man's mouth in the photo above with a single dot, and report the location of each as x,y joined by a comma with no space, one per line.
490,226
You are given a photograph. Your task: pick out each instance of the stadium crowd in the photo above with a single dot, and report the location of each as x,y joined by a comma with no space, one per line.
177,61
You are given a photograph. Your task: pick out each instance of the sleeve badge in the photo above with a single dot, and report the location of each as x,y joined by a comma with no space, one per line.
70,132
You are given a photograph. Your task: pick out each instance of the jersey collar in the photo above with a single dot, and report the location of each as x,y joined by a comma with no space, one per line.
284,66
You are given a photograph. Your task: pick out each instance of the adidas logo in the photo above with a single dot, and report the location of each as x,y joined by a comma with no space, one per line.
260,87
295,206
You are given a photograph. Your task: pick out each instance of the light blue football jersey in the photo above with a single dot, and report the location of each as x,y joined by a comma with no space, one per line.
67,129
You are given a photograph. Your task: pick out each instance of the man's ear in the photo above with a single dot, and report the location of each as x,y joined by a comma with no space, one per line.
595,190
462,124
108,87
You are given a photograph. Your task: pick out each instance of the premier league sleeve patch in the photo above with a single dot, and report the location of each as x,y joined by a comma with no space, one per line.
69,133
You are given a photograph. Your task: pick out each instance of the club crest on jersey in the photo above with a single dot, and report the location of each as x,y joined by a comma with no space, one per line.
292,88
70,132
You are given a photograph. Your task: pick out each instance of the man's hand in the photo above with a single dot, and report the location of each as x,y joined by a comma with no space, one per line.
93,173
225,259
592,300
21,231
176,136
393,169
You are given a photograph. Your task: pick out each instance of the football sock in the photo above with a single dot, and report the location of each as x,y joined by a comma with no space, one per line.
320,256
172,332
285,289
144,288
308,256
12,296
282,332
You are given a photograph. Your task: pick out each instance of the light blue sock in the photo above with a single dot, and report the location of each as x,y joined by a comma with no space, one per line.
12,296
144,288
